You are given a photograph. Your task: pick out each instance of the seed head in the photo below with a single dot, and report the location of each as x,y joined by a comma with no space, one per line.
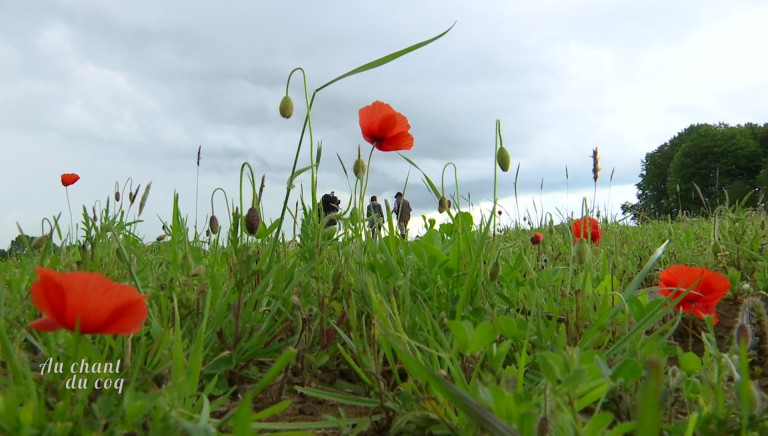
252,221
595,165
144,198
502,157
286,107
442,204
213,224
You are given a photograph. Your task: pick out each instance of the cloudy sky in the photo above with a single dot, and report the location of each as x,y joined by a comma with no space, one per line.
113,89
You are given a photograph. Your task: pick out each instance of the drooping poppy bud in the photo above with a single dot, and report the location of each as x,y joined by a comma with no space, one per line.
286,107
117,196
495,270
161,238
502,157
213,224
252,221
442,204
39,242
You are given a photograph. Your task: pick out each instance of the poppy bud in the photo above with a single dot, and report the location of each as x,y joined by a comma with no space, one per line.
716,248
359,168
543,427
39,242
198,271
442,205
213,224
502,157
132,195
449,204
117,196
252,221
207,233
95,218
161,238
582,250
495,270
744,335
537,238
286,107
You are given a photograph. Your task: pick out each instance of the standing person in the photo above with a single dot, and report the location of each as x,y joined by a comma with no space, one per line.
375,217
403,211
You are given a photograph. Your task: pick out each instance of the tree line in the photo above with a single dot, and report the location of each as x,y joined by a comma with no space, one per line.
701,168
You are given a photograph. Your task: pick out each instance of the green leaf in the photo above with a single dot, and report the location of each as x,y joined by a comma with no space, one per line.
478,414
483,336
629,370
598,424
690,363
552,365
386,59
339,397
462,331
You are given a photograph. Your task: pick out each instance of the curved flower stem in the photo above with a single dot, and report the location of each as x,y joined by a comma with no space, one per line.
71,223
226,202
364,189
456,178
253,198
497,140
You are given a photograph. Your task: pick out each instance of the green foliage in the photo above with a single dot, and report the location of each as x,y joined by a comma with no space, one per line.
724,162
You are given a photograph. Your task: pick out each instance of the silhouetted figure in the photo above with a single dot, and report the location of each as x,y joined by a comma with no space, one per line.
329,205
375,216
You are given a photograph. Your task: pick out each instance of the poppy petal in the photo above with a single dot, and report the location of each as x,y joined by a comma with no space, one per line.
98,304
45,324
128,318
385,128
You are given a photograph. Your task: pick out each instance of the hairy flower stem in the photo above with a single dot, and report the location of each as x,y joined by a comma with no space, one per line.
253,190
71,223
498,140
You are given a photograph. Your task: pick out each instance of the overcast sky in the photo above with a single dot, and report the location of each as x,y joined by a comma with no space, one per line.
114,89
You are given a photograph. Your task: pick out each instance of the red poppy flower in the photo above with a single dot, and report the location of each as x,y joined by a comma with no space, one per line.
101,305
69,179
707,288
537,238
587,228
385,128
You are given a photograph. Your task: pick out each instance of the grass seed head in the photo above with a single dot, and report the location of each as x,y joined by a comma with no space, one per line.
502,157
286,107
595,165
252,221
144,198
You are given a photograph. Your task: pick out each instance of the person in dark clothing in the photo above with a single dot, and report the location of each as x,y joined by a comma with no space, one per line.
375,217
329,205
403,211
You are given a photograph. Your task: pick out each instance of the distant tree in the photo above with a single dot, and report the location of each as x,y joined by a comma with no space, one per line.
719,159
725,159
19,245
3,254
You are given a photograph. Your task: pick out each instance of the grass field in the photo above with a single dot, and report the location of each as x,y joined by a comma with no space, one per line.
465,330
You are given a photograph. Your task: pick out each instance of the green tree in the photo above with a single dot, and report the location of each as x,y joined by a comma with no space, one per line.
721,160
